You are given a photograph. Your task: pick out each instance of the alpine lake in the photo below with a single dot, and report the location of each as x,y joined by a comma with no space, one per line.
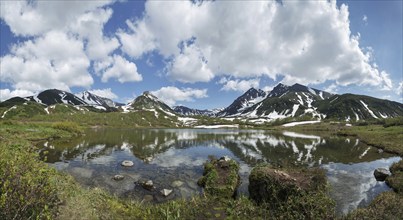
173,159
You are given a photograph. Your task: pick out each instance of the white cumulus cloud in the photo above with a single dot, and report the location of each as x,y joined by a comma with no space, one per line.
239,85
6,94
55,60
64,37
332,88
31,18
399,89
121,69
171,94
189,66
138,41
106,93
309,42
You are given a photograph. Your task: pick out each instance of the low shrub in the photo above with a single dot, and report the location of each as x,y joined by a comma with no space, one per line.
67,126
26,186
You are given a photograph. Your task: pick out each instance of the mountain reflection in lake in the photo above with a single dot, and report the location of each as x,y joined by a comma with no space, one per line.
173,159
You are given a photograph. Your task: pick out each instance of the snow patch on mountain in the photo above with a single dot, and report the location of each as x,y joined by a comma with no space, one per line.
321,95
294,110
4,114
369,110
311,91
382,115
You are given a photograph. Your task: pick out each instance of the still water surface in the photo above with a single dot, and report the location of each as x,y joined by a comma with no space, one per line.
173,159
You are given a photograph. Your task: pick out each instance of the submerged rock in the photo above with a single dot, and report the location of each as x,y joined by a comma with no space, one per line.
177,183
127,163
381,174
148,198
82,172
166,192
220,178
118,177
148,159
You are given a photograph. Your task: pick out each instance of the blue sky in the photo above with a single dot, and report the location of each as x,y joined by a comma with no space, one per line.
200,54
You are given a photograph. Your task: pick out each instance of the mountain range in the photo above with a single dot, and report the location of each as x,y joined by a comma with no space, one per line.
254,105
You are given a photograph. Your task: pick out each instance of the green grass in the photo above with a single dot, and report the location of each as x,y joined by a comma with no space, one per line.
395,181
388,139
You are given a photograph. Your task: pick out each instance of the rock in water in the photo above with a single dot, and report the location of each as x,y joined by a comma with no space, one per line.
381,174
148,185
148,198
127,163
118,177
220,178
148,159
177,183
271,185
166,192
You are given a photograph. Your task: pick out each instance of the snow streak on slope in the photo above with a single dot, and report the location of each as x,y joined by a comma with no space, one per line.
369,110
4,114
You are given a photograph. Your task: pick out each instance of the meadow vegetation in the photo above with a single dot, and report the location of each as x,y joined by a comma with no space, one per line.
29,188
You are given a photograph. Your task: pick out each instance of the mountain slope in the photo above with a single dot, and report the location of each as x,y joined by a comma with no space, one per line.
298,100
147,101
248,99
55,96
183,110
359,107
282,102
98,102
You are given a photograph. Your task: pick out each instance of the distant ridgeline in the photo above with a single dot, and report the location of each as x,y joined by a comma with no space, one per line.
255,105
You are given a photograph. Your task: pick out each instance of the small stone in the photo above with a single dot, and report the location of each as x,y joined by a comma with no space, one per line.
127,163
380,151
185,192
177,183
148,198
149,185
381,174
192,185
166,192
118,177
148,159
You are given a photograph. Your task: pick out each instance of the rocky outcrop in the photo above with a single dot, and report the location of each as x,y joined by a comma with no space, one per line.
220,178
381,174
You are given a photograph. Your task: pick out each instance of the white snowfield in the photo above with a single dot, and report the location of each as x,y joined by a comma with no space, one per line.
292,124
217,126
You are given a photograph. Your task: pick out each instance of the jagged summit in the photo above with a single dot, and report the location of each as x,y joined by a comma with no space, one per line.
95,100
147,101
183,110
249,98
